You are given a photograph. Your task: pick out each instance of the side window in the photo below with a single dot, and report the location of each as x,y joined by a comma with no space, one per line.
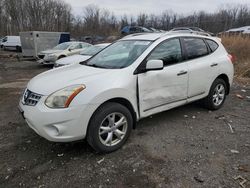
84,45
168,51
76,46
132,29
195,47
139,29
213,45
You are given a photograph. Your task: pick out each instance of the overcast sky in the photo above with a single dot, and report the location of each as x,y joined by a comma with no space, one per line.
134,7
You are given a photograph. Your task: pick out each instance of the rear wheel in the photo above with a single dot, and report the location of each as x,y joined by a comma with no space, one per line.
109,127
217,95
18,49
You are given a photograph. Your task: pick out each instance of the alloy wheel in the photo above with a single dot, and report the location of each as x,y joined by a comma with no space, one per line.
113,129
219,94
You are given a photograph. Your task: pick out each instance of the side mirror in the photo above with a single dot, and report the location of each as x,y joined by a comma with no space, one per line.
69,49
154,65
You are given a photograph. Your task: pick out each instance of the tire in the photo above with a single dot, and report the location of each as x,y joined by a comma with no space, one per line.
61,56
18,49
105,116
216,99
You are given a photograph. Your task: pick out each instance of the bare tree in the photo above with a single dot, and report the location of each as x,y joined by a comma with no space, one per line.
56,15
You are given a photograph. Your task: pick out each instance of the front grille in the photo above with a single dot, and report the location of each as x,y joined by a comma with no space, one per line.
41,56
30,98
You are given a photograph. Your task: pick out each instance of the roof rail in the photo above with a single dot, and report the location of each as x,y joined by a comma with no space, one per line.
191,32
137,34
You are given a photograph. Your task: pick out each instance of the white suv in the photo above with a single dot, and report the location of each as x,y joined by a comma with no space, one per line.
102,98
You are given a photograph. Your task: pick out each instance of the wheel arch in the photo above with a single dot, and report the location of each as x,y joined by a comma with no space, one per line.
122,101
61,56
226,79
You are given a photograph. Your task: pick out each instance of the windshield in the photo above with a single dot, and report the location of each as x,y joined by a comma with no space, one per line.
62,46
119,55
4,39
90,51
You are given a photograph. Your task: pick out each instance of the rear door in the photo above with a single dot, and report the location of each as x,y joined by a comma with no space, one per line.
201,66
164,89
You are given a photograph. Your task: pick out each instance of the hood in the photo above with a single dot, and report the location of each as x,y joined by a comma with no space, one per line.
72,59
51,51
55,79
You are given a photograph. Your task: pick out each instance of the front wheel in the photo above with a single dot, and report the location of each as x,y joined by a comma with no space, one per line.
61,56
109,127
216,96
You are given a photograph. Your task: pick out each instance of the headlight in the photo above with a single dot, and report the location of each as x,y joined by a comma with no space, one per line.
62,98
50,57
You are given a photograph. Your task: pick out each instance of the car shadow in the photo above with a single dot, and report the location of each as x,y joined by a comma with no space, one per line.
81,148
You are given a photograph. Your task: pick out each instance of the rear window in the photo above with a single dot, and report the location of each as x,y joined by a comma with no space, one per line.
213,45
195,47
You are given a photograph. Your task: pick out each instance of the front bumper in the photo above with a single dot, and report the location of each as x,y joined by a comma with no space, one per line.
46,60
58,125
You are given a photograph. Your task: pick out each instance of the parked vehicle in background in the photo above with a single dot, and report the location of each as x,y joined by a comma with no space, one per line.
240,30
34,42
11,42
95,39
83,56
102,98
194,30
155,30
134,29
60,51
112,38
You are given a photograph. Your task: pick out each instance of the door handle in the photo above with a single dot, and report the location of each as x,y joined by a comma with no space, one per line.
182,73
214,64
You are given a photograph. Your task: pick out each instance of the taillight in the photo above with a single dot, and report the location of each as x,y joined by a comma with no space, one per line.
232,58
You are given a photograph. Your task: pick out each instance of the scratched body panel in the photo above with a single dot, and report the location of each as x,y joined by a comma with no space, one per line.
162,88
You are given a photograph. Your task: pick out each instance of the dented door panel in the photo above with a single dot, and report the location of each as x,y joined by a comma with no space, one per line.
159,90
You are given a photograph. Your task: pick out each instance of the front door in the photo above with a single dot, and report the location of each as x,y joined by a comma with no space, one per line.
164,89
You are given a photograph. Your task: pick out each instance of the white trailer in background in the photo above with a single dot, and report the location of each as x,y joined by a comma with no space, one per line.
35,41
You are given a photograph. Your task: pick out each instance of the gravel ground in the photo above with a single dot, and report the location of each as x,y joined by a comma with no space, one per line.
184,147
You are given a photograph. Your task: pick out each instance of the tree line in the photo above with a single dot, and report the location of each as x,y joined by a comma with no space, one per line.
56,15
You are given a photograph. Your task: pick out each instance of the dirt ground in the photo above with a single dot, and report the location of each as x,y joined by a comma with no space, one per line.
184,147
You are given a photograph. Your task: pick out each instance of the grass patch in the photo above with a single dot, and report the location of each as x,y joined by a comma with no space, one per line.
239,47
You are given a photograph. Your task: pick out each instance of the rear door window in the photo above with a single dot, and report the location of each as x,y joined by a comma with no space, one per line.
195,47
